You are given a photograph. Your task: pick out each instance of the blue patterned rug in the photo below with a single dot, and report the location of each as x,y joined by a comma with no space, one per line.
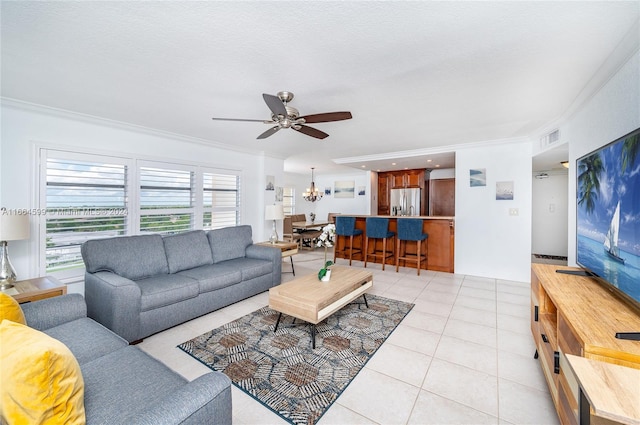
282,371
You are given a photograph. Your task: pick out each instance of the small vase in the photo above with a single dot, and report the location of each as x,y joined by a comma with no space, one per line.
327,276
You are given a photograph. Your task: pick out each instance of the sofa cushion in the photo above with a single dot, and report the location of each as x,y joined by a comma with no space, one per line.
250,267
214,277
166,289
86,339
123,383
10,309
187,250
41,380
133,257
229,242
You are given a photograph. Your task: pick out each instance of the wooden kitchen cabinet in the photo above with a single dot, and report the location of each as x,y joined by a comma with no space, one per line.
384,195
442,197
414,178
388,180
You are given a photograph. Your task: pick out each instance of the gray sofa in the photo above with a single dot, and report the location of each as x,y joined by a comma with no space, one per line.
124,385
139,285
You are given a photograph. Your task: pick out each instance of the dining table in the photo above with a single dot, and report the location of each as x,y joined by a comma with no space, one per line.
309,231
306,225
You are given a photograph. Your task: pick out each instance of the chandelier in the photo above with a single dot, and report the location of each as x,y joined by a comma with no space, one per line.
312,194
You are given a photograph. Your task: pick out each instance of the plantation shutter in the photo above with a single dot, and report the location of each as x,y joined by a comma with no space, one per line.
221,200
84,199
166,200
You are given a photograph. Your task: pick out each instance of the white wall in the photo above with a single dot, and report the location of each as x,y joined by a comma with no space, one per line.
444,173
24,127
549,227
489,241
356,205
611,113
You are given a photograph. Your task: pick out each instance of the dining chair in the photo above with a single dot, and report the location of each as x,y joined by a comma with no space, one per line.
287,231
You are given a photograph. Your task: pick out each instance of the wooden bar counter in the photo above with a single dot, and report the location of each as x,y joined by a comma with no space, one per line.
440,242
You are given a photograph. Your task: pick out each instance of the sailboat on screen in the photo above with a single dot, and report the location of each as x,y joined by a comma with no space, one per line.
611,238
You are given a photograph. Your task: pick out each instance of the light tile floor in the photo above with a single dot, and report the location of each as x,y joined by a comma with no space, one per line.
463,355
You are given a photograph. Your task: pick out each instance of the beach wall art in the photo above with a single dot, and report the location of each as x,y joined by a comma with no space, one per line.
344,189
477,177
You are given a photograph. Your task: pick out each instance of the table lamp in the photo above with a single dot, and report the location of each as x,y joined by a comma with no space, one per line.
12,228
273,212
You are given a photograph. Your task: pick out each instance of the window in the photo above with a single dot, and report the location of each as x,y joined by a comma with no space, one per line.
166,200
221,200
88,196
84,199
288,200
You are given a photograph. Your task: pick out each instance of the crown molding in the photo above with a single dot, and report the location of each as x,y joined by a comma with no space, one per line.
92,119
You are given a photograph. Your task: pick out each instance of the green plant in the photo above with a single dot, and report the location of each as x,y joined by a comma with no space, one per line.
323,271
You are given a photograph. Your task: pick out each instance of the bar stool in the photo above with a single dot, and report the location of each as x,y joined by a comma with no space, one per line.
410,229
346,226
378,228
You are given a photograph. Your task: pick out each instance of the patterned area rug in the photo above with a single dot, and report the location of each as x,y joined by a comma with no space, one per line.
282,371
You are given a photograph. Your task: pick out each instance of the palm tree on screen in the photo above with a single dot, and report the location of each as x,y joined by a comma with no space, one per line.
630,149
589,171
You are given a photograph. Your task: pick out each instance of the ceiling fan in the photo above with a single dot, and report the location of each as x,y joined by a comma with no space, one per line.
285,116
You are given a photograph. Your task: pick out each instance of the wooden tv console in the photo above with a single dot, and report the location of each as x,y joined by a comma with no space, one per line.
577,315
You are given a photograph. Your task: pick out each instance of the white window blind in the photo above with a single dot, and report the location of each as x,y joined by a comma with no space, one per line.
85,199
288,200
221,200
88,196
166,200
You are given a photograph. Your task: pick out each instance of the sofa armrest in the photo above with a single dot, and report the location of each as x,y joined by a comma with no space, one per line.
268,253
50,312
114,301
205,400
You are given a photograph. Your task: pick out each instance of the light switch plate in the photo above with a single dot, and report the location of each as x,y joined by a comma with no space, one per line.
513,211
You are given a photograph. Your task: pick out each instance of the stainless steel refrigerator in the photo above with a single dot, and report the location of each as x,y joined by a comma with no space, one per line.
405,201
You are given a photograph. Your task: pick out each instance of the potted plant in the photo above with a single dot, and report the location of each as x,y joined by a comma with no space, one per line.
326,240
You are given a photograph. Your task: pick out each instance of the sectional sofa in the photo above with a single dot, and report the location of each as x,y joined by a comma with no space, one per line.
122,384
139,285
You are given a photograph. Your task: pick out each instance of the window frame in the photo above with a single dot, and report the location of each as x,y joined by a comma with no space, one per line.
132,195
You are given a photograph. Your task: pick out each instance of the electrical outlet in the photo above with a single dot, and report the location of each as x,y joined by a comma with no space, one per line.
513,211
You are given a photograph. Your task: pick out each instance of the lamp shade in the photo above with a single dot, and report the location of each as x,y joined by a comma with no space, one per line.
14,227
273,212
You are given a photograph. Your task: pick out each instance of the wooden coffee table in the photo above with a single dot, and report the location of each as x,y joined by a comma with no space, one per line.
312,300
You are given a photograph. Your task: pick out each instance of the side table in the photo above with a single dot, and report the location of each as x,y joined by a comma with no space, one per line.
35,289
288,249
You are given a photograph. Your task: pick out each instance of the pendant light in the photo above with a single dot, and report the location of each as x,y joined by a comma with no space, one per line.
312,194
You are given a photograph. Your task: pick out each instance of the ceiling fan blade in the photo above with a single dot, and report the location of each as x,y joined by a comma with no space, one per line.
240,119
327,117
269,132
275,104
310,131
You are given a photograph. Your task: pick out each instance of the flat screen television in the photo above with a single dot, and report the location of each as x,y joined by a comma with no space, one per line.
608,215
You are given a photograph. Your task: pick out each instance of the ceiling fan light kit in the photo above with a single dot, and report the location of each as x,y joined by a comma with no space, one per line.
312,194
285,116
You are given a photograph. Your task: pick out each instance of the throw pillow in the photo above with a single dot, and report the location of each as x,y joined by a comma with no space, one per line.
41,379
10,309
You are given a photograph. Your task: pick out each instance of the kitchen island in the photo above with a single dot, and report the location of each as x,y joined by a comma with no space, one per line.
440,243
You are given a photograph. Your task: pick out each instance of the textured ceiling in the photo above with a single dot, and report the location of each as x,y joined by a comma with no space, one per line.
415,75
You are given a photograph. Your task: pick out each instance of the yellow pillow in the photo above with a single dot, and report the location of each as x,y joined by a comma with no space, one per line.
41,380
10,309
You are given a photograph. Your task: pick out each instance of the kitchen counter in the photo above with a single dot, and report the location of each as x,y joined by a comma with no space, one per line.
440,244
